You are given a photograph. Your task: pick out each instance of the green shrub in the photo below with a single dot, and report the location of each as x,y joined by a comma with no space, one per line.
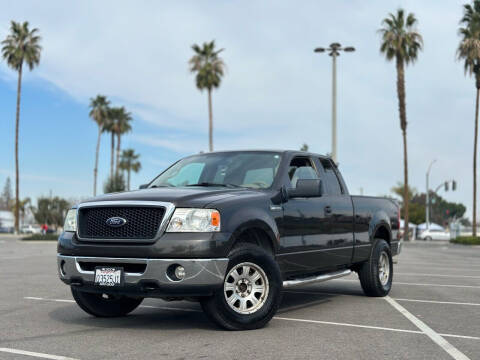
41,237
466,240
114,184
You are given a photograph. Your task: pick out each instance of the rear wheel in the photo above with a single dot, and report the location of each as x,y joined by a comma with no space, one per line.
105,305
251,291
376,274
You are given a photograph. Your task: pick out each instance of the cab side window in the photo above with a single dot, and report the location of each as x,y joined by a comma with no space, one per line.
301,168
333,185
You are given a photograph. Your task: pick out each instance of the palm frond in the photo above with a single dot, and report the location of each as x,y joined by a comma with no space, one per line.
207,65
400,39
21,45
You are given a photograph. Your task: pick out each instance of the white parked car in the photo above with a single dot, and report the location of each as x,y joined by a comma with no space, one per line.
434,234
30,229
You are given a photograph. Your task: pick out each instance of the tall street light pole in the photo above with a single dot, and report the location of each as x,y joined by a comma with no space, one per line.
427,198
334,51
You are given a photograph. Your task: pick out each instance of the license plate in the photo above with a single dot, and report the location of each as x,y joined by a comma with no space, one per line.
108,276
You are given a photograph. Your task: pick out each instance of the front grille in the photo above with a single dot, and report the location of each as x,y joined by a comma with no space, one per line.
141,222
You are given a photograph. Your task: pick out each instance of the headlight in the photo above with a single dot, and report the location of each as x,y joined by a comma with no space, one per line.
194,220
71,221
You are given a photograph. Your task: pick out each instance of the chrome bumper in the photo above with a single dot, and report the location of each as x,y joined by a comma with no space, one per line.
198,272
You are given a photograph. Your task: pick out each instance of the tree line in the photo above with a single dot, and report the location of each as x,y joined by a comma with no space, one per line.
48,210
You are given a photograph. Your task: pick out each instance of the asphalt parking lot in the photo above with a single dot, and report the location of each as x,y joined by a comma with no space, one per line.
433,312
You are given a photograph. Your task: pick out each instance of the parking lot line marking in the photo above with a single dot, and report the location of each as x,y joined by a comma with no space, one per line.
35,354
398,299
435,337
461,336
420,284
438,302
461,263
439,275
348,325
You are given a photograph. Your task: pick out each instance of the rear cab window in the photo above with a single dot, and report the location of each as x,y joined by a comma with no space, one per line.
332,185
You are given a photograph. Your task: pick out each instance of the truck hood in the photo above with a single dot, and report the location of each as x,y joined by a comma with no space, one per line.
179,196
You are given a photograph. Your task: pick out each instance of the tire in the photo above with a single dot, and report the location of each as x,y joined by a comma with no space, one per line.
262,274
105,305
374,278
428,238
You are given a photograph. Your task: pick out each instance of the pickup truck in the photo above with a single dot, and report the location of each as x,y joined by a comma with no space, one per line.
228,229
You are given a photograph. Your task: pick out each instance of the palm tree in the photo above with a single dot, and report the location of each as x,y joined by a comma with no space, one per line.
99,114
469,51
23,205
111,127
22,45
209,68
122,126
129,162
401,42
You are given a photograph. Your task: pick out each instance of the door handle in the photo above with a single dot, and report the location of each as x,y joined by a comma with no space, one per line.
328,210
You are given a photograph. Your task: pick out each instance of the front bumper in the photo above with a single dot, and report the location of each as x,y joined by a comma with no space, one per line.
146,277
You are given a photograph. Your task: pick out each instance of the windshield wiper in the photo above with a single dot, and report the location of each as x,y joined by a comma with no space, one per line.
215,184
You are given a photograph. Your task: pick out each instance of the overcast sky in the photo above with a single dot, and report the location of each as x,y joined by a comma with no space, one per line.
276,92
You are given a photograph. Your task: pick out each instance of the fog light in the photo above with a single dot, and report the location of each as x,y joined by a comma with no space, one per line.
62,268
180,272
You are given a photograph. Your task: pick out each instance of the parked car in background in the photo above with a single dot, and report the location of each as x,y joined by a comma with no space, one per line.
434,234
30,229
6,230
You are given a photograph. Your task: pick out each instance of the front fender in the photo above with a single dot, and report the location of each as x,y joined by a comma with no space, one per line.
253,218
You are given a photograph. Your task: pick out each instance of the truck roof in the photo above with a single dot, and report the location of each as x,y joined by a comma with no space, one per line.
283,151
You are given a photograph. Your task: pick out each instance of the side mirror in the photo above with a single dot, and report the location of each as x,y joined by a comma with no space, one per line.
143,186
306,188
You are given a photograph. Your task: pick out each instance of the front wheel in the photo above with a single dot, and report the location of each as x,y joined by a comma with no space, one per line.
105,305
376,274
251,291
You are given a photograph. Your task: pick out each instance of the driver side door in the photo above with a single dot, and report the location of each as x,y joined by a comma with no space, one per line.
306,227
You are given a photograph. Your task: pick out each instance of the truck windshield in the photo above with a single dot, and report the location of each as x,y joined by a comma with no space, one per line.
255,170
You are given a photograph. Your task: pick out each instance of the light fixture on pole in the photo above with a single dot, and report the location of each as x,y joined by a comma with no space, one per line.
334,51
427,197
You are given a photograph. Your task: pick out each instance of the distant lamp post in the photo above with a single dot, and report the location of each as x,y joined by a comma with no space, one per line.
334,51
427,199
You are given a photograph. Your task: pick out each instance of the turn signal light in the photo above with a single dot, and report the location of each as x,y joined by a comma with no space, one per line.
215,218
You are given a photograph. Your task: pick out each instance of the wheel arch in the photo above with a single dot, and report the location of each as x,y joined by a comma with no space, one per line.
380,228
256,232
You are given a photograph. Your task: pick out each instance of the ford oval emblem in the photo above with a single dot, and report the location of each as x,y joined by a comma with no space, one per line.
116,221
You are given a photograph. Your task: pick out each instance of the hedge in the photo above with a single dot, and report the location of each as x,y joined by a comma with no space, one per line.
41,237
466,240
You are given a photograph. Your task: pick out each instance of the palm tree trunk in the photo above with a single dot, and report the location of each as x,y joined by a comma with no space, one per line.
210,121
17,175
475,136
118,154
128,180
95,170
111,155
403,125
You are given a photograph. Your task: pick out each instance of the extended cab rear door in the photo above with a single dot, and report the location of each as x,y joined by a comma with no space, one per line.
339,212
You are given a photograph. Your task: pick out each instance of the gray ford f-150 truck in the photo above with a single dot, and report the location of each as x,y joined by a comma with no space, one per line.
231,230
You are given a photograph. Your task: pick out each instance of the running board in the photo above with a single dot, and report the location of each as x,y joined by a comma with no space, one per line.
314,279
